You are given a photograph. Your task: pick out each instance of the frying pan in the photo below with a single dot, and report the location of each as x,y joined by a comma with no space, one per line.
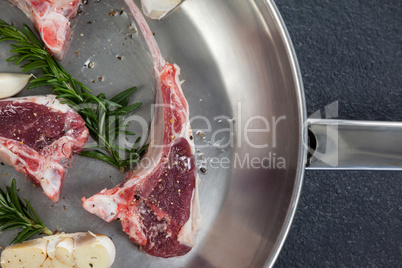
246,98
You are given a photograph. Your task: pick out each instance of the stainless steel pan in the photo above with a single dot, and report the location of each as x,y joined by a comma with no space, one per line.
243,85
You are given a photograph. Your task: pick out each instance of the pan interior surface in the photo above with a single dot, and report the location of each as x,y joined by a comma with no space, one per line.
247,110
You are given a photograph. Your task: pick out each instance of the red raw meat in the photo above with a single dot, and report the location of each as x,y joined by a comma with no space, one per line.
38,136
51,19
158,202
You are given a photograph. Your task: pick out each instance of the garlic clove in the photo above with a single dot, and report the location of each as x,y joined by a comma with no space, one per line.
64,251
12,83
27,254
53,241
157,9
93,250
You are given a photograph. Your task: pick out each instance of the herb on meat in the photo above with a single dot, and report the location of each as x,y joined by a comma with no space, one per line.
15,214
103,117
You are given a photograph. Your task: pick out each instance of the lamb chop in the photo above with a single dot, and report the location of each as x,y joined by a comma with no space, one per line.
38,136
52,19
158,204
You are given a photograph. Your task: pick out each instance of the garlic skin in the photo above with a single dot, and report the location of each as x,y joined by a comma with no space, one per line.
12,83
157,9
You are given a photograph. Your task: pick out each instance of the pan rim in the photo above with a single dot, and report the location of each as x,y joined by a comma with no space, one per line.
302,151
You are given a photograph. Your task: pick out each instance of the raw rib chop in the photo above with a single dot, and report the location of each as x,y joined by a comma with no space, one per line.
38,136
51,19
158,202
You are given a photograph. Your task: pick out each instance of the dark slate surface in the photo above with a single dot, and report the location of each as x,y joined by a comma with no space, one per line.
349,51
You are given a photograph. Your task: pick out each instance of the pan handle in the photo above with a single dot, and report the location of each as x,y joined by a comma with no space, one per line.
355,145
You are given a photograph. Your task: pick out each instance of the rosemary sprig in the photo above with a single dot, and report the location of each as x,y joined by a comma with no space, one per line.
15,214
103,117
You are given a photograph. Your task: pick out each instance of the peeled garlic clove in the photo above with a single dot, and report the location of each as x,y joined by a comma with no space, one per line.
12,83
157,9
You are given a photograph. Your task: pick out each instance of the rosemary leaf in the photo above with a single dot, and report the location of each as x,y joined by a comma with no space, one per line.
98,155
126,110
15,214
122,97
